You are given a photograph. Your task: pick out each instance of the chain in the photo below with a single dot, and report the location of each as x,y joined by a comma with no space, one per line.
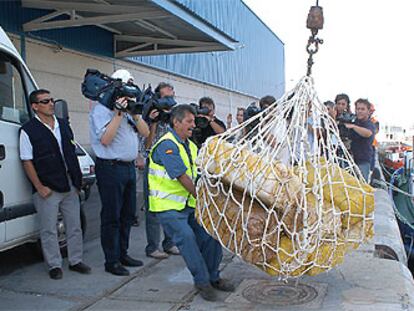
314,23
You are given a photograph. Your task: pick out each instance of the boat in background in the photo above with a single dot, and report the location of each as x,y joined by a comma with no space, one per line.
392,155
398,167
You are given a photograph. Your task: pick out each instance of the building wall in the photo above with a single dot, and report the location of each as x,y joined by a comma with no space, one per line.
62,71
256,66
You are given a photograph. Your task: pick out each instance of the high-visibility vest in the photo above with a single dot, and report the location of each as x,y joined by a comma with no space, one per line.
374,142
169,194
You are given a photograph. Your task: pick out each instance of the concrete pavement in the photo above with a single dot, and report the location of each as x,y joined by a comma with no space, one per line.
364,282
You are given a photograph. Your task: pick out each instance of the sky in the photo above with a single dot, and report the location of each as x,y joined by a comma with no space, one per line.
368,50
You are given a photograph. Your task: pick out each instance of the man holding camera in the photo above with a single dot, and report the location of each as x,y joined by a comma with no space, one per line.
362,136
207,124
171,180
113,134
164,92
48,153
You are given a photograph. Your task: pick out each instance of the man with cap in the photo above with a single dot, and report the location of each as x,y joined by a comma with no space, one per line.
113,135
47,150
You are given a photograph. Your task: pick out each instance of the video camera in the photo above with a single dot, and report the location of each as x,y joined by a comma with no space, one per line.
250,112
342,119
200,120
162,104
106,90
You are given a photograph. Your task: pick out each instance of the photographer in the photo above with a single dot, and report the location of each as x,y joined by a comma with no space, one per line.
344,115
207,124
159,125
113,134
362,136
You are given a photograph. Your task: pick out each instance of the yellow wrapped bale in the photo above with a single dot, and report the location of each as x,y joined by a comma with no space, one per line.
270,181
326,256
243,226
353,197
286,222
286,259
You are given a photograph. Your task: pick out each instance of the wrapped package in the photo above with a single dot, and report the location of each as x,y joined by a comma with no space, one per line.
269,181
353,197
242,226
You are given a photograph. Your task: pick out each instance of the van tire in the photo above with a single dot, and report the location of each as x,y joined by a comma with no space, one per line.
61,235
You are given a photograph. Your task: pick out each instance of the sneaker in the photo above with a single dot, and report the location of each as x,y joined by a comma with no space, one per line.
55,273
158,255
81,268
207,292
223,285
173,251
131,262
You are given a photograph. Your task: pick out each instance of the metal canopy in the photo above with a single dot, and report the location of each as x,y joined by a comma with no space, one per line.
140,27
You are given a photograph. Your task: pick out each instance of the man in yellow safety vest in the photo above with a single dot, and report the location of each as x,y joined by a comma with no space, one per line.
172,196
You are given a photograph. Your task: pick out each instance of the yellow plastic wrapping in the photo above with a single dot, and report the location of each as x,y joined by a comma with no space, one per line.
296,223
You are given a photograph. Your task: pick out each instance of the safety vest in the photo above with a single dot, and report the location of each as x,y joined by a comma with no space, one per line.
169,194
374,142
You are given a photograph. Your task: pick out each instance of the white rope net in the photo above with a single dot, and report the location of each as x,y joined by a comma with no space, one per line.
282,192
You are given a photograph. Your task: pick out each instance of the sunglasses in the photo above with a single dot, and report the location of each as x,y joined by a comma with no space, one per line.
46,101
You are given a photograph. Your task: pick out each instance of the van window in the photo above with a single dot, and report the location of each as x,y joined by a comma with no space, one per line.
13,96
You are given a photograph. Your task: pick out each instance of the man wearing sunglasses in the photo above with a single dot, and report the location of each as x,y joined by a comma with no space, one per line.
47,150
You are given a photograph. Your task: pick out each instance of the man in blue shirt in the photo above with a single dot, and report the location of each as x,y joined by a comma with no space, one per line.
362,136
172,190
113,135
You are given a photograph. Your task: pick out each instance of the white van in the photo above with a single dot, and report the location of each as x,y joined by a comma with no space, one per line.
18,219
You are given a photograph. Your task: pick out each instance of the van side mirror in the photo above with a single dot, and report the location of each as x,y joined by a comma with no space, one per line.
61,109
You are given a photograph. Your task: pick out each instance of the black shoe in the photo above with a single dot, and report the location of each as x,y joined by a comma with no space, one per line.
131,262
81,268
56,273
116,269
223,285
136,222
207,292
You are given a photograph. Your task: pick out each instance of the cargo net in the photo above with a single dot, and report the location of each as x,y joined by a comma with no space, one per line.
282,192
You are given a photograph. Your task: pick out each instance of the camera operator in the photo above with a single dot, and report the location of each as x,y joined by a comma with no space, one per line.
158,119
113,134
344,115
212,125
362,136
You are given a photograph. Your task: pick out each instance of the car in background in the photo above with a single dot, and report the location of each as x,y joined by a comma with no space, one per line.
87,166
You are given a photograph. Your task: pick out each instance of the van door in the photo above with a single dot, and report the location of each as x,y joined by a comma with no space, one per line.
15,189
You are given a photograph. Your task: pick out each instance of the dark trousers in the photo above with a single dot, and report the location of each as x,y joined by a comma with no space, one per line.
152,224
202,254
117,189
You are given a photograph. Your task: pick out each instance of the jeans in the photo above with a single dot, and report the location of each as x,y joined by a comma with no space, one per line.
202,254
365,168
117,189
152,224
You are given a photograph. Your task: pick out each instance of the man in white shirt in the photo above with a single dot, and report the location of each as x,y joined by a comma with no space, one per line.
47,150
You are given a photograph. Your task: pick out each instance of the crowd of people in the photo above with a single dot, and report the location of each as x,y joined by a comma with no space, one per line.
155,153
357,130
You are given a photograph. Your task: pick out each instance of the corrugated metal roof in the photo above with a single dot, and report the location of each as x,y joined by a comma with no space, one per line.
150,27
256,67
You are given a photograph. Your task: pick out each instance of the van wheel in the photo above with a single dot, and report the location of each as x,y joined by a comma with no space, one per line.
61,233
